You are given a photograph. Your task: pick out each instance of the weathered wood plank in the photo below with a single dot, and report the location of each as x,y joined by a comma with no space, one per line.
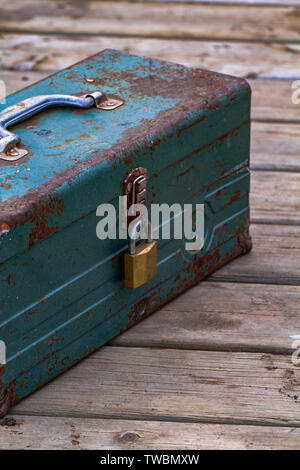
274,258
51,53
261,318
272,101
48,433
275,197
275,146
171,384
271,98
152,20
271,3
15,81
54,52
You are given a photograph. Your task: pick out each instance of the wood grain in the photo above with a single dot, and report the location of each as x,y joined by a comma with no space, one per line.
171,384
248,3
49,53
152,20
211,367
275,197
271,102
25,59
275,146
262,318
42,433
15,81
274,258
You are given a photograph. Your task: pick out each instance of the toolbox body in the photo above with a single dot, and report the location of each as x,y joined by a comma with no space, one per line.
62,292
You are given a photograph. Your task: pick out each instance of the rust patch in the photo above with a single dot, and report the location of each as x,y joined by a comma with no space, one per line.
235,197
8,399
68,141
51,341
5,186
186,171
41,228
21,160
135,315
4,228
10,280
131,176
245,242
201,95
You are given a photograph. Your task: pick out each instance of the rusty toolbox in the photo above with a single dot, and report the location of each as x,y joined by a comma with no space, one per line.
112,125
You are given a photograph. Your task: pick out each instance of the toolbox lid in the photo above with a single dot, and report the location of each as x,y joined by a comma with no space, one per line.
77,158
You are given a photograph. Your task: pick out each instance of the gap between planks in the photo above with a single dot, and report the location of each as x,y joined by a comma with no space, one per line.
267,203
248,3
150,36
160,20
31,432
174,385
272,99
51,53
274,258
17,410
206,318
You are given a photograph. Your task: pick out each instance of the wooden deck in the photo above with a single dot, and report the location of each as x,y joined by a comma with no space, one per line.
213,368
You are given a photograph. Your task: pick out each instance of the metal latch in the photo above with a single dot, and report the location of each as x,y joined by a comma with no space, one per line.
135,187
140,261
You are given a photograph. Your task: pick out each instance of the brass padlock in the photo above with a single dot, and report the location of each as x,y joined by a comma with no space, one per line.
140,262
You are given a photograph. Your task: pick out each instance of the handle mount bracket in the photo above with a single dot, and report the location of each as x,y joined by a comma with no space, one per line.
9,149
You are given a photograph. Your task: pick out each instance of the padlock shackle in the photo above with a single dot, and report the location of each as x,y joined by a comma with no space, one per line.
134,228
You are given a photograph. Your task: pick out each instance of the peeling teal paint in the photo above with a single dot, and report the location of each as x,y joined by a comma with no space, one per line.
62,291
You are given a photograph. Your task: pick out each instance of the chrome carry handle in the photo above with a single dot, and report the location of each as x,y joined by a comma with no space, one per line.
27,108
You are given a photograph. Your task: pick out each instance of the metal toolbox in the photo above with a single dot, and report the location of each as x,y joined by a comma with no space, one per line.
155,131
